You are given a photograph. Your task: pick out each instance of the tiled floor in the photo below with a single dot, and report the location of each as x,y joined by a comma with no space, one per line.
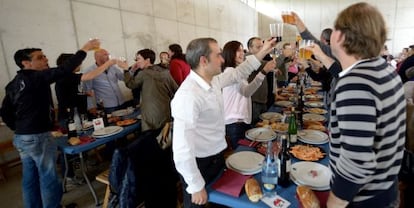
10,190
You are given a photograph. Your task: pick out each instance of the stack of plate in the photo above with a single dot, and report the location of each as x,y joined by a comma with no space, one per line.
107,131
312,174
310,136
260,134
245,162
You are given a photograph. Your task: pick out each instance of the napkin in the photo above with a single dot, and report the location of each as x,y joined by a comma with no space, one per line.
231,182
249,143
85,139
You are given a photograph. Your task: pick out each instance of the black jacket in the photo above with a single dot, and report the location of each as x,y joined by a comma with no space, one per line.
33,104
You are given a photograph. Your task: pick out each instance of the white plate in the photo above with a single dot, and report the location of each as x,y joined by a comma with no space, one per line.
271,116
315,104
312,136
107,131
313,117
260,134
317,111
313,96
311,187
123,112
311,174
245,161
283,103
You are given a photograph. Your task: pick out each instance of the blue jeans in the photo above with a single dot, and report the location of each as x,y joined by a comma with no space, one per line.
41,183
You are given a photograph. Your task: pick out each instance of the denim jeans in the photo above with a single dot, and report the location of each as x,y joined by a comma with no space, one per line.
235,132
41,183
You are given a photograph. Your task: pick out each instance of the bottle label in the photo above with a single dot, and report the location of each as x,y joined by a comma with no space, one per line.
293,138
288,163
72,127
269,187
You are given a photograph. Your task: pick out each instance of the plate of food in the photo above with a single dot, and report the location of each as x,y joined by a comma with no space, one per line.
284,103
314,97
279,127
260,134
316,111
312,174
310,136
313,117
272,116
314,104
126,122
307,152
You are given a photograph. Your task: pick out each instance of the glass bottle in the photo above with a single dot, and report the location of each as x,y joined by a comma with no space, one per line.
301,106
284,164
269,172
292,129
71,124
101,112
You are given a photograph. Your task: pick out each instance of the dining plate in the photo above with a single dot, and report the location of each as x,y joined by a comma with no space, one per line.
283,103
107,131
311,174
314,96
307,152
123,112
316,111
246,162
260,134
312,137
313,117
314,104
271,116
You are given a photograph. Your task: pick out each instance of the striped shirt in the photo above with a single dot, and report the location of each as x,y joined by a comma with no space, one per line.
367,130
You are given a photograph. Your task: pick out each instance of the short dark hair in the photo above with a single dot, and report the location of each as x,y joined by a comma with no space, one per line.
229,53
63,57
197,48
24,55
147,53
326,34
250,41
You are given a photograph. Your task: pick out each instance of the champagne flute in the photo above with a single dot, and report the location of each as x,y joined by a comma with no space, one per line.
276,31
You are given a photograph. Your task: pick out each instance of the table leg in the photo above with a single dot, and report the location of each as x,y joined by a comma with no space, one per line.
66,172
82,167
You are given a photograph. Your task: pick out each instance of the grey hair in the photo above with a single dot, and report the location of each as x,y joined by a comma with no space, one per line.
197,48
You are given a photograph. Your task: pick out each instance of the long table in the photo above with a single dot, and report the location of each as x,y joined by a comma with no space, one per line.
288,193
66,148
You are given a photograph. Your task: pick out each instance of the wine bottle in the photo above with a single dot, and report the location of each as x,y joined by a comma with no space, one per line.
284,164
101,112
292,129
71,124
301,106
269,172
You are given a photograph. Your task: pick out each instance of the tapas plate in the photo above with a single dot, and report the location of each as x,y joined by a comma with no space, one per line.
313,117
271,116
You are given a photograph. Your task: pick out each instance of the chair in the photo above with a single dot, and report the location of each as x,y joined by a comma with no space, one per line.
6,147
103,178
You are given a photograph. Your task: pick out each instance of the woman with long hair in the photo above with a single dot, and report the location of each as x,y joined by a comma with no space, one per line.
237,97
179,68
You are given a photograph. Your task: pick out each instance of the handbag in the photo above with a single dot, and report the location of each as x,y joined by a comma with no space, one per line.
165,137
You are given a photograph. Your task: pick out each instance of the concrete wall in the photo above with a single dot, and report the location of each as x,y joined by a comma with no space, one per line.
124,26
320,14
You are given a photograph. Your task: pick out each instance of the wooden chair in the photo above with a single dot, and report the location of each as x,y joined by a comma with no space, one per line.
103,178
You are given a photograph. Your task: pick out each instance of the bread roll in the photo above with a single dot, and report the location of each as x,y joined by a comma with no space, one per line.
253,190
74,141
307,198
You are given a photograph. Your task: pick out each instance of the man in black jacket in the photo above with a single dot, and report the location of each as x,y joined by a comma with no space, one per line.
28,96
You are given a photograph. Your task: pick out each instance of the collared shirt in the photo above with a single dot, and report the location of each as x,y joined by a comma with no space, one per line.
237,99
198,113
346,71
106,87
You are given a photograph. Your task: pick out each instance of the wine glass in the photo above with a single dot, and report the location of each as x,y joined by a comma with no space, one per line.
276,31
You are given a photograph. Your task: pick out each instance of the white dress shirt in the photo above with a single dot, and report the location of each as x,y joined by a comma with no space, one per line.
238,99
198,112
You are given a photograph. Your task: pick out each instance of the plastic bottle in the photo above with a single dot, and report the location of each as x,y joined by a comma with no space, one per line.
284,164
269,172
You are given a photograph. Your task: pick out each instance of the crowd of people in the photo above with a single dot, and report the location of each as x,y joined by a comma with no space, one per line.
214,95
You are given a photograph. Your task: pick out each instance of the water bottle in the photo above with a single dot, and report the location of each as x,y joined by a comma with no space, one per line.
269,172
292,129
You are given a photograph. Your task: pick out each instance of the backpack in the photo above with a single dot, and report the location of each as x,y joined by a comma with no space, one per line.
8,108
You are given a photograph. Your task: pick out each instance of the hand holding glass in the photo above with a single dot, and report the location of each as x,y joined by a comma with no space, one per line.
303,51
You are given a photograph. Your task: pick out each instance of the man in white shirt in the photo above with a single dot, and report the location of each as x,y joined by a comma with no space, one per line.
198,113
